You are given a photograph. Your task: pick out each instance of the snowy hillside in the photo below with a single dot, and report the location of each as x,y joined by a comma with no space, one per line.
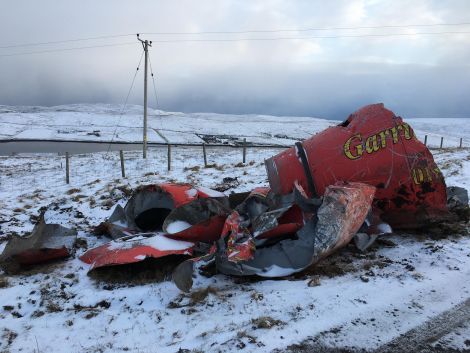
104,122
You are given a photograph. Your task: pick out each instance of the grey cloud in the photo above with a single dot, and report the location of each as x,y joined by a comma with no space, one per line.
417,77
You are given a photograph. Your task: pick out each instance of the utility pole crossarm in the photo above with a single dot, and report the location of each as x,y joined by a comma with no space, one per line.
145,45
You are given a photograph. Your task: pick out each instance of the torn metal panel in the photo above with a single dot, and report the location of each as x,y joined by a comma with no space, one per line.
341,214
457,197
182,275
202,220
372,228
114,230
135,248
151,205
261,216
372,146
258,201
265,214
240,243
46,242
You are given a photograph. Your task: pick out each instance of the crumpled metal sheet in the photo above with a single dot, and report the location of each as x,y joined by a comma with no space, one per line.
457,197
135,248
376,147
343,211
205,219
46,242
150,206
372,228
166,196
260,217
159,207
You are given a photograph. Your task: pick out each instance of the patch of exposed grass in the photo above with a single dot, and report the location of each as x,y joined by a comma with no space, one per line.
125,189
196,168
93,182
266,322
37,313
92,201
215,166
52,307
77,198
4,283
9,336
107,203
73,191
244,334
198,296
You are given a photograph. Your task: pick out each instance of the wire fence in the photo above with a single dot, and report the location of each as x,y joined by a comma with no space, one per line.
172,161
169,157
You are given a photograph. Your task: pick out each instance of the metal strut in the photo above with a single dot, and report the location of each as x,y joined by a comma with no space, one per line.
307,172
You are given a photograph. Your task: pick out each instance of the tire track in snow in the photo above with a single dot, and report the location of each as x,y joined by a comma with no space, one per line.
420,338
416,340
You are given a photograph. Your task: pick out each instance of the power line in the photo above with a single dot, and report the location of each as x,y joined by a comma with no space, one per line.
235,32
125,103
67,49
154,86
301,38
65,41
311,29
242,40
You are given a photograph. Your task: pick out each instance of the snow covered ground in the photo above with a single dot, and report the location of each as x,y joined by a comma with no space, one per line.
105,122
99,122
353,300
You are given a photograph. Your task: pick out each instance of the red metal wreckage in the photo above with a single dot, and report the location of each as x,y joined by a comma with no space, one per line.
355,180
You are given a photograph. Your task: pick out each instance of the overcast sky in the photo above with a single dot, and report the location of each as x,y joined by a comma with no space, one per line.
416,76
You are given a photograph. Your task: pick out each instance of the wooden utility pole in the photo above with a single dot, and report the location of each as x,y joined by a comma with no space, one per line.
145,44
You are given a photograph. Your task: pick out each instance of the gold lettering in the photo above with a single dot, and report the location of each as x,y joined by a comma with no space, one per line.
358,148
372,144
408,131
394,134
383,138
428,174
418,175
374,147
438,173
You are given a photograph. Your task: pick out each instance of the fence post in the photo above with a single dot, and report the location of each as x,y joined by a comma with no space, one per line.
169,157
205,155
442,142
244,150
123,170
425,140
460,145
67,168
